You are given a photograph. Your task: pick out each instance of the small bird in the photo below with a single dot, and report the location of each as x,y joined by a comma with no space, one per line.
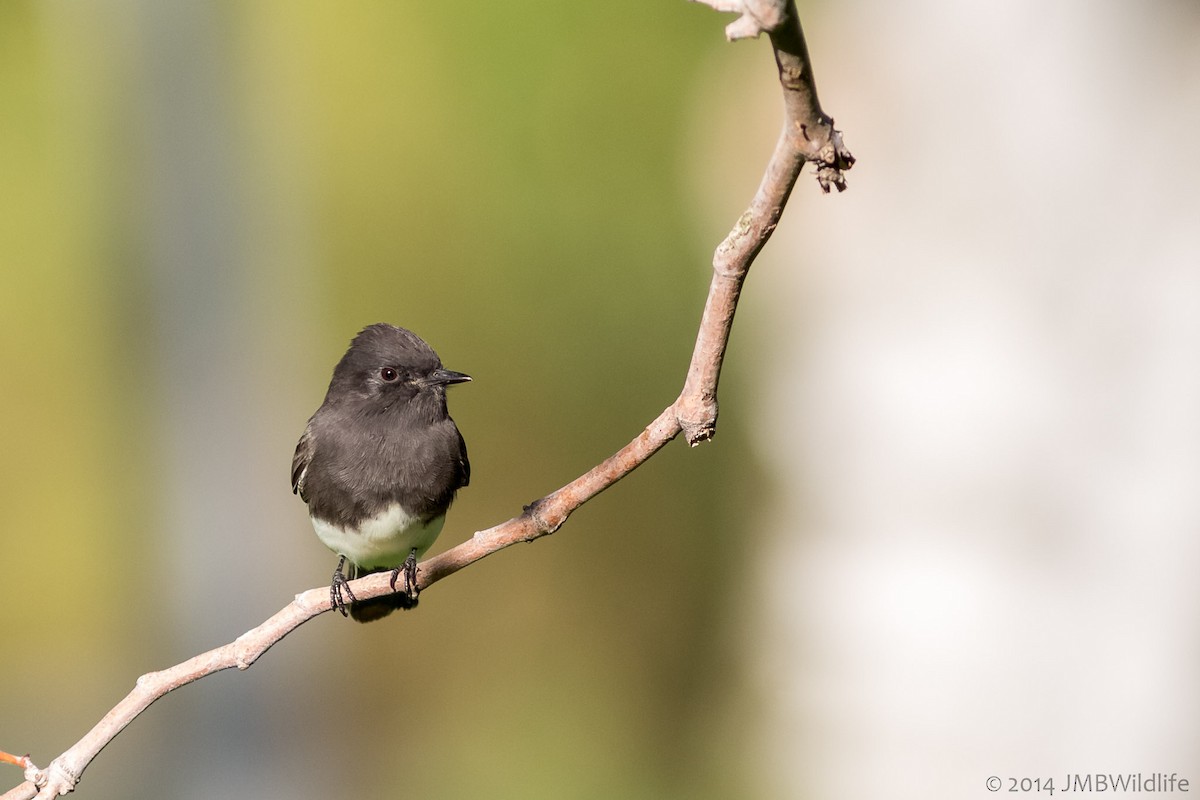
380,462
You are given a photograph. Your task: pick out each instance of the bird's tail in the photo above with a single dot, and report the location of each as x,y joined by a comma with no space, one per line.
379,607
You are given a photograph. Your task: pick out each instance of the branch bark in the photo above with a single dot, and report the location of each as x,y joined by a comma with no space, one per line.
807,135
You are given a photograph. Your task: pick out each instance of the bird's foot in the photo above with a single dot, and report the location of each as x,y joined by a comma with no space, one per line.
340,596
407,599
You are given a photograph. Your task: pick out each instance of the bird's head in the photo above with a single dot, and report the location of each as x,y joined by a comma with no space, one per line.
388,367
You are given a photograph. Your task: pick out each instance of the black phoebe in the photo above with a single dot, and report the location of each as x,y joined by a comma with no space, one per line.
380,462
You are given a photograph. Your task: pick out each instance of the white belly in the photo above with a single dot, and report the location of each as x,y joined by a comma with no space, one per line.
382,541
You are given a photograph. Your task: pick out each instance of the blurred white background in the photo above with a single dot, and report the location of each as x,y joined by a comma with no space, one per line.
980,401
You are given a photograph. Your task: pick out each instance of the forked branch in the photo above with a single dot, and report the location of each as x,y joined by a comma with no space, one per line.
808,136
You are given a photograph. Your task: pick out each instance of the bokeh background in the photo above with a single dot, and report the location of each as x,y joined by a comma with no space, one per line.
949,526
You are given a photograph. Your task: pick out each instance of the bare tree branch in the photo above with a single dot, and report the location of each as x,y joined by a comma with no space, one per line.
808,135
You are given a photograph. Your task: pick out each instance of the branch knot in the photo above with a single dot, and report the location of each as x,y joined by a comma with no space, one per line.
697,416
542,524
832,160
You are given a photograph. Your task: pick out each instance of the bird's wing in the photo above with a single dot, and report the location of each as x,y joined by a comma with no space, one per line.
462,459
300,462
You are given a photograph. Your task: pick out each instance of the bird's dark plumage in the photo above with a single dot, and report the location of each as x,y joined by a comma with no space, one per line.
381,460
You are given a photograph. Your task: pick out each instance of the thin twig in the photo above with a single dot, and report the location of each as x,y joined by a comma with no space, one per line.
808,135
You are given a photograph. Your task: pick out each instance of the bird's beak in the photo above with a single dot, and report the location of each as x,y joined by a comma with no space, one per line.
444,377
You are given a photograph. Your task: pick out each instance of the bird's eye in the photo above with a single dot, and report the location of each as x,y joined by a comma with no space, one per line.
388,374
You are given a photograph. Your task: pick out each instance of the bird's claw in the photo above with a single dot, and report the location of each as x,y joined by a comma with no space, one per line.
411,592
340,595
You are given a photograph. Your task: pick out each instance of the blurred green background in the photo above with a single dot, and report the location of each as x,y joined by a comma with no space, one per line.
202,204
